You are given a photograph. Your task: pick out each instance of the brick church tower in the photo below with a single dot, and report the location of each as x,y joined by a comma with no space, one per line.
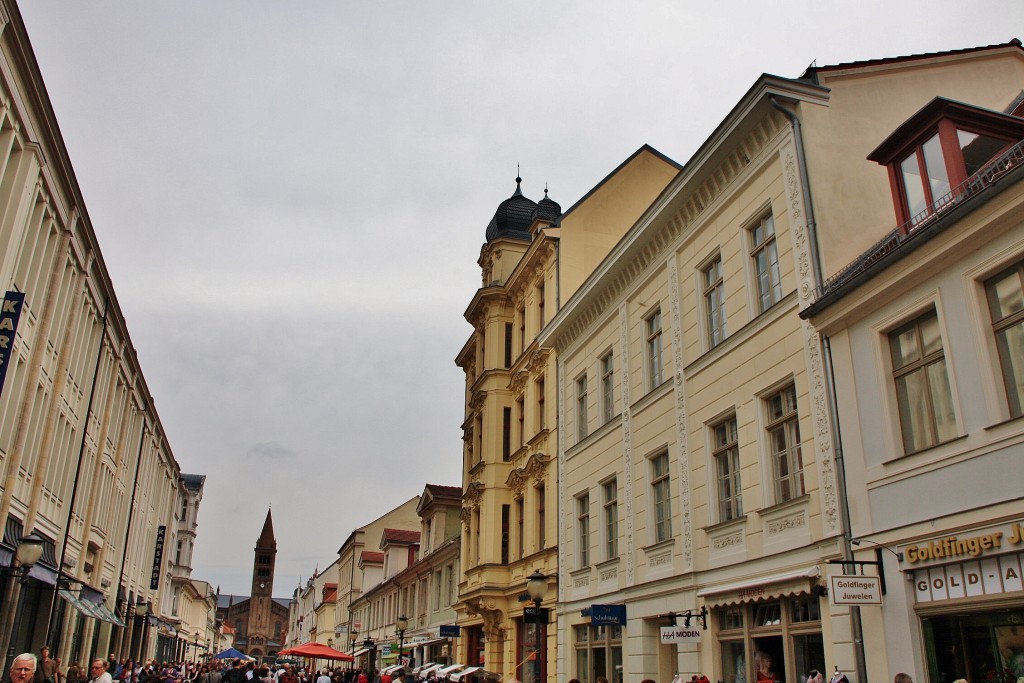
259,628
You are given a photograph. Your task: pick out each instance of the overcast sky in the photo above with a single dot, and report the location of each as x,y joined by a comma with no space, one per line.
291,198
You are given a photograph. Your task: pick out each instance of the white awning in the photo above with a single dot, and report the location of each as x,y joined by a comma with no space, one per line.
765,587
421,667
448,669
361,651
464,672
428,668
427,642
393,668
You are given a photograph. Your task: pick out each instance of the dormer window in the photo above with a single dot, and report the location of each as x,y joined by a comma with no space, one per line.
933,157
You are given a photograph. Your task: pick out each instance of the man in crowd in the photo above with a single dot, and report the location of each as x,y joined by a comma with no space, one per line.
23,668
47,670
98,672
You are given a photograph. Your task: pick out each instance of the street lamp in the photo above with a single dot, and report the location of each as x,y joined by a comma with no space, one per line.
28,552
401,623
141,610
537,587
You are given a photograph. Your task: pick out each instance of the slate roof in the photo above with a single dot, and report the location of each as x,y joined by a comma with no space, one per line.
513,217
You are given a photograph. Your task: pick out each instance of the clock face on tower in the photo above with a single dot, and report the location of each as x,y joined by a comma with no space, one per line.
262,585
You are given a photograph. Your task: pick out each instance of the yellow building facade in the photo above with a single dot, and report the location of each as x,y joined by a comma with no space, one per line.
534,257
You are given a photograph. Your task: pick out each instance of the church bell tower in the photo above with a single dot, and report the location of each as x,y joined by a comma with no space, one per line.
259,631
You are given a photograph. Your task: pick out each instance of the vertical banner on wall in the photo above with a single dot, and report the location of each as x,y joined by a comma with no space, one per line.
9,315
158,557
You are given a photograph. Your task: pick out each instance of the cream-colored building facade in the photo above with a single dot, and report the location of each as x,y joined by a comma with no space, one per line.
699,478
535,256
921,317
84,462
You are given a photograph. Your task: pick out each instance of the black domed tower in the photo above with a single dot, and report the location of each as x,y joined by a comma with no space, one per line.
513,217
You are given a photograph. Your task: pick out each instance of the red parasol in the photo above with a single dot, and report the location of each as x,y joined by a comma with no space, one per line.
317,651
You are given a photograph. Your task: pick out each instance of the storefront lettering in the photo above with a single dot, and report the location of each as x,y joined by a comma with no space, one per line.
750,593
951,547
972,578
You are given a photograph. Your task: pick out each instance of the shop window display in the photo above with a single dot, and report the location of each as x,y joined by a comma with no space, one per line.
986,647
754,639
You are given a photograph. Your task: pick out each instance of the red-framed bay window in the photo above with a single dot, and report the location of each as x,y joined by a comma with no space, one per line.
933,154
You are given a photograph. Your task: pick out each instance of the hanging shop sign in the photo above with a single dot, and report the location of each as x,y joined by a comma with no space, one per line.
855,590
448,631
680,634
608,614
10,313
158,557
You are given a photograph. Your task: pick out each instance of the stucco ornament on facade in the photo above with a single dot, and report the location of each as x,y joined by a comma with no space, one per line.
680,390
812,343
492,617
563,552
627,443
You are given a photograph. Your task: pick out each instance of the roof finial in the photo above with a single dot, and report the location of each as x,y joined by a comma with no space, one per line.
518,178
545,188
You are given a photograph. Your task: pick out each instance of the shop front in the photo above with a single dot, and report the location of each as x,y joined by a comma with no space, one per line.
969,601
768,629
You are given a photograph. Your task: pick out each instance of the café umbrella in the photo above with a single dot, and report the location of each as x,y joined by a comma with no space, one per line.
316,651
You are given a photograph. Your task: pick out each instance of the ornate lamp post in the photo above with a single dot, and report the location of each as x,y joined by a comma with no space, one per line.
401,623
537,587
355,639
30,549
141,611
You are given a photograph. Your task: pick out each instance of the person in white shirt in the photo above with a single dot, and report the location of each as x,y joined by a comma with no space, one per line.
99,673
323,677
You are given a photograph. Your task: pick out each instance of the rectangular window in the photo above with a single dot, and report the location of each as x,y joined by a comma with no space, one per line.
607,387
661,496
765,255
581,408
655,368
506,434
508,345
583,530
541,418
520,522
1006,305
726,455
784,443
714,301
922,385
611,519
541,521
505,521
540,305
521,411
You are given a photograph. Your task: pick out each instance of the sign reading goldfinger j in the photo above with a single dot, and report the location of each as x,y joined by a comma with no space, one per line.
9,315
856,590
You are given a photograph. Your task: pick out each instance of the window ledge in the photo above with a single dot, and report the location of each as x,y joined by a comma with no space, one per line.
799,501
896,459
652,395
659,546
722,526
1001,423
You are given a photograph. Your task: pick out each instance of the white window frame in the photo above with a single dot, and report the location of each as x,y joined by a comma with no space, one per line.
654,329
787,423
661,497
930,360
731,507
610,512
767,286
607,365
583,530
713,300
581,407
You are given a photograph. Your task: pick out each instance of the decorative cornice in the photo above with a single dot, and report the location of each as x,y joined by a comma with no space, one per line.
474,493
